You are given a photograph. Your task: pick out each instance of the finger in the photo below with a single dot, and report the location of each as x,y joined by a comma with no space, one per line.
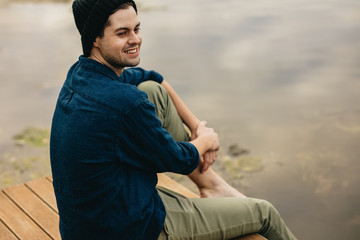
205,166
203,124
200,128
206,162
206,158
209,159
213,156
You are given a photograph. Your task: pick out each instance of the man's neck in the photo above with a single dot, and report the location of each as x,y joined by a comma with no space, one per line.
100,59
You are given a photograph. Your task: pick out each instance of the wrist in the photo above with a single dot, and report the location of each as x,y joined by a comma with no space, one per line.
202,144
194,126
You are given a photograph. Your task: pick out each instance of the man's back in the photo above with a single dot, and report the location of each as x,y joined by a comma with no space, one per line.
96,192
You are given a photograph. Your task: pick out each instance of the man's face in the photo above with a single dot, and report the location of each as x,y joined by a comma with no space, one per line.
120,45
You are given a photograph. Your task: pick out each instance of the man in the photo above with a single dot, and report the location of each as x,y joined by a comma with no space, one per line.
108,142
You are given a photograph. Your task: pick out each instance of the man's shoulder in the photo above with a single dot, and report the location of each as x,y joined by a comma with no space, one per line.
100,86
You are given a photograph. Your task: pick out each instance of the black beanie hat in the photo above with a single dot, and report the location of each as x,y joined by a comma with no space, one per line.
91,16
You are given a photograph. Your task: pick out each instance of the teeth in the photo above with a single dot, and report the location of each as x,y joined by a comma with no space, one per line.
132,51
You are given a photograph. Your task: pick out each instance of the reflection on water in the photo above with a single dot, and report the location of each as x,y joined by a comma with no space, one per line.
281,79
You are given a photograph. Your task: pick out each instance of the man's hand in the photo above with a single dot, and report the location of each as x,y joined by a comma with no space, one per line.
210,135
209,159
210,155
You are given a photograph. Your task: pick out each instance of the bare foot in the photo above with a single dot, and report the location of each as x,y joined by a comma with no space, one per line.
220,190
211,185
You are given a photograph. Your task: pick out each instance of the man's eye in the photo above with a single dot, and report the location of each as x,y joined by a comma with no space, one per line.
121,33
137,29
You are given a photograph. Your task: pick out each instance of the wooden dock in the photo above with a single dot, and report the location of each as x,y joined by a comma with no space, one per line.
28,211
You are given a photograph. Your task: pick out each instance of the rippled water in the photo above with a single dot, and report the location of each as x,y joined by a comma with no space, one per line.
278,78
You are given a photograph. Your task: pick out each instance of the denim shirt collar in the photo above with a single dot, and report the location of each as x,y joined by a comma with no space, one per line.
97,66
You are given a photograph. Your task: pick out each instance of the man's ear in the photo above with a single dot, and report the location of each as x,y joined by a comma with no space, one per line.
96,42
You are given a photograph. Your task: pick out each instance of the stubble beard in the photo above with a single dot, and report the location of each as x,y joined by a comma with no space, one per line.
118,63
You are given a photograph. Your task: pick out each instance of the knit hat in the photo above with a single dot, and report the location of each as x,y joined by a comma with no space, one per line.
91,16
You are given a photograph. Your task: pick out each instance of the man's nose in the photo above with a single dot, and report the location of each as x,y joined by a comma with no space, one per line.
135,38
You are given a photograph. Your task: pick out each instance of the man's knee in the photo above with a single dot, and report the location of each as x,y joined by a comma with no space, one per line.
157,95
265,205
165,109
155,91
148,85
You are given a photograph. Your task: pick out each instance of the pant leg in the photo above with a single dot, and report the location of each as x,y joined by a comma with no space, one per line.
219,218
165,110
209,218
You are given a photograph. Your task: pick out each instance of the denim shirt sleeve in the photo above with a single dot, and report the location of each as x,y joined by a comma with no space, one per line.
137,75
150,147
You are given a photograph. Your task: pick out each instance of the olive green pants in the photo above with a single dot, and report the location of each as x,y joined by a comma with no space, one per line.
209,218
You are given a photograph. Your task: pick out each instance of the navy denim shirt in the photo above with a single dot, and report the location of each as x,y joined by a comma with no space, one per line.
106,147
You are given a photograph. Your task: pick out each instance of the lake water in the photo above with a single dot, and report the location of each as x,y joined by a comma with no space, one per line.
278,79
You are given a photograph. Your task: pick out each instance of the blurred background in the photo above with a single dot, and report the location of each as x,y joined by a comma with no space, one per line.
279,80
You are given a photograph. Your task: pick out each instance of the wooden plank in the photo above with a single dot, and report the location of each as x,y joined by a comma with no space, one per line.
43,188
5,233
22,205
169,183
19,223
36,209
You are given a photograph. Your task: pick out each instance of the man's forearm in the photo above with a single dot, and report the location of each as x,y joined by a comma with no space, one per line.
184,112
207,153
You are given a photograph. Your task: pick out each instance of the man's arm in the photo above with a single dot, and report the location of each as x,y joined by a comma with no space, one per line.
209,156
184,112
210,184
207,143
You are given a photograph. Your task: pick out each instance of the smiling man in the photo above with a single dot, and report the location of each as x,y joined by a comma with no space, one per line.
114,129
118,46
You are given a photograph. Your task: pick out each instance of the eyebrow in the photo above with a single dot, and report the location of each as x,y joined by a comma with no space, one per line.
126,28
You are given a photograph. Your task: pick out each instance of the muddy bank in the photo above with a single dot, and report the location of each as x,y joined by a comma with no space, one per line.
27,158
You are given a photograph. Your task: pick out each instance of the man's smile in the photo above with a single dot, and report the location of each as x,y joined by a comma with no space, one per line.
132,51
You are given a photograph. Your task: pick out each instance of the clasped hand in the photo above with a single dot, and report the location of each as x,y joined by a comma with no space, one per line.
210,156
